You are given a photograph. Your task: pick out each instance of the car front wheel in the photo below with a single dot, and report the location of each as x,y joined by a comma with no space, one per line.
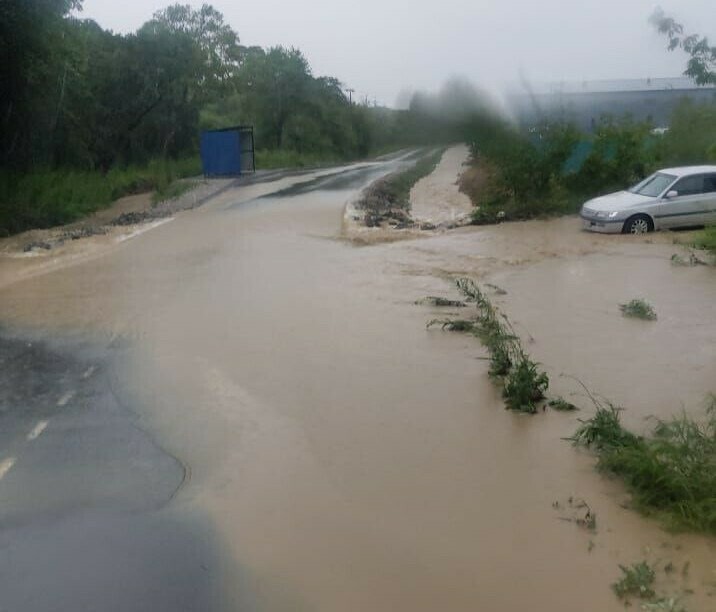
640,224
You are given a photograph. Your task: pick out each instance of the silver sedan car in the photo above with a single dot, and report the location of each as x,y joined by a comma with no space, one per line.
674,197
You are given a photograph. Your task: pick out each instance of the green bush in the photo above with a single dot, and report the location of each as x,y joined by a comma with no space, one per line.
553,168
622,153
638,309
671,473
525,385
636,581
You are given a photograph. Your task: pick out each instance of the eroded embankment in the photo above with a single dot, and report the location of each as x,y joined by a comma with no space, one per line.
416,201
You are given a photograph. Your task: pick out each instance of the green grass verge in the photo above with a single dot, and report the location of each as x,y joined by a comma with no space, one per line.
706,239
671,473
42,199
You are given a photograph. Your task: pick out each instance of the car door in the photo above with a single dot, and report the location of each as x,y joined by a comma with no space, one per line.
710,198
686,208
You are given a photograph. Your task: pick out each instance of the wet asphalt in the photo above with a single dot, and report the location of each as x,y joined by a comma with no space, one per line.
86,514
85,521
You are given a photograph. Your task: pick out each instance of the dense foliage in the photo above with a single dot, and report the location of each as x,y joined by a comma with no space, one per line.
75,95
701,65
77,99
553,167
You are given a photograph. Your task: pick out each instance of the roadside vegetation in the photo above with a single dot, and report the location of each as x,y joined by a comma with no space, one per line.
670,473
638,309
523,383
707,240
637,581
89,115
44,198
552,167
83,106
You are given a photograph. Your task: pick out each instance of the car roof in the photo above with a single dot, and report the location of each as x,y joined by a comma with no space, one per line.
688,170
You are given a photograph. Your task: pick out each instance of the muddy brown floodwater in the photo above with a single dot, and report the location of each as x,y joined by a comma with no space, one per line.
350,459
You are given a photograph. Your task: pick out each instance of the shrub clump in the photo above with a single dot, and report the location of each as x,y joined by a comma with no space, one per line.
638,309
671,473
524,383
637,581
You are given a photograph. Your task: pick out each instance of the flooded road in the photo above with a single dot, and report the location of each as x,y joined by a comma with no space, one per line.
337,455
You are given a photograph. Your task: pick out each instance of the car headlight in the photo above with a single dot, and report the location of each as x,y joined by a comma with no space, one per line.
613,214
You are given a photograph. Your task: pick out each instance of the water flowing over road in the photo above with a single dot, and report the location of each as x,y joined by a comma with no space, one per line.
240,410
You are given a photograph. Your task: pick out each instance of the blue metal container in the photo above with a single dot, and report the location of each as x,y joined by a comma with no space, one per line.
228,152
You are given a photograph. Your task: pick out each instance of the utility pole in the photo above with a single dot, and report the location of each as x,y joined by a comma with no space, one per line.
350,95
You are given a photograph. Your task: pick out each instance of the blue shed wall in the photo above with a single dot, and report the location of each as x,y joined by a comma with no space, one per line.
221,153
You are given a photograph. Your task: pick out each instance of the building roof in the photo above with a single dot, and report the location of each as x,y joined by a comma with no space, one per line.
611,86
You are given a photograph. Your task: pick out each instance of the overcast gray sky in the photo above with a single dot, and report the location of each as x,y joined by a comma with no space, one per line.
383,47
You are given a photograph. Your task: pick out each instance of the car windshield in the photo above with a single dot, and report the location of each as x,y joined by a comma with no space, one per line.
654,185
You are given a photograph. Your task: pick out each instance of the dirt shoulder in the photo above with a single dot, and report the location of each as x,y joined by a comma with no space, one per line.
435,205
437,199
42,250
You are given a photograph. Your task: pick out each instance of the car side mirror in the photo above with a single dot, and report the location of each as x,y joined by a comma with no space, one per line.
671,194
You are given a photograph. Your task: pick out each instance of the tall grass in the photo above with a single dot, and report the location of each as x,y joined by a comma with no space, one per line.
706,239
524,384
671,473
45,198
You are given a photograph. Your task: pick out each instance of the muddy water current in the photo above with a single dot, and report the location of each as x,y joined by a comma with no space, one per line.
349,459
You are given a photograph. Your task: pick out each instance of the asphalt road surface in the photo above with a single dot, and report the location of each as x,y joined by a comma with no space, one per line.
87,519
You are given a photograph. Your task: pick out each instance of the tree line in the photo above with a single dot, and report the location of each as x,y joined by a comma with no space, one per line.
88,115
77,96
